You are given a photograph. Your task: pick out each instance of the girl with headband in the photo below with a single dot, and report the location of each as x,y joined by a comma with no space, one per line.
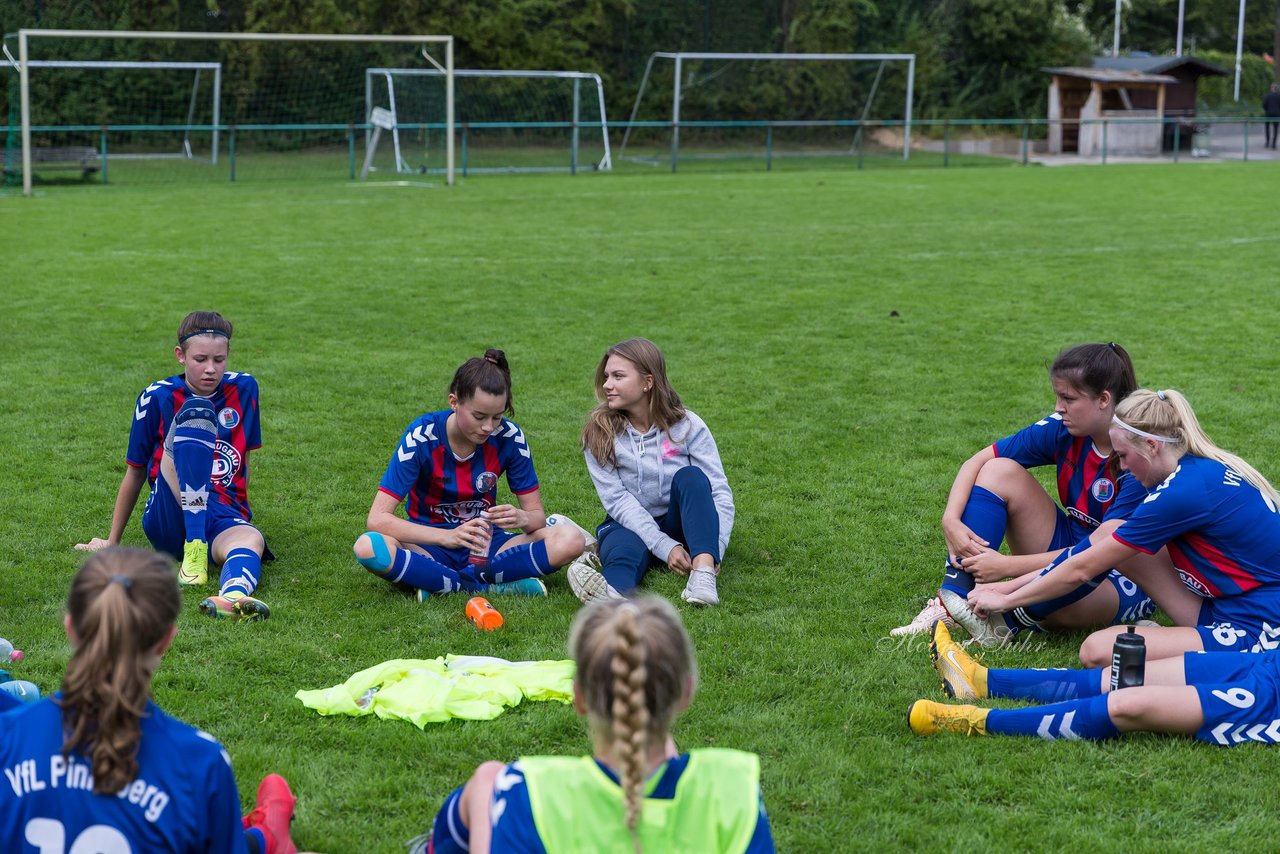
190,439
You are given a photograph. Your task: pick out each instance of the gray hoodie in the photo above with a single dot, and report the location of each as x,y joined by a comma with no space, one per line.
638,488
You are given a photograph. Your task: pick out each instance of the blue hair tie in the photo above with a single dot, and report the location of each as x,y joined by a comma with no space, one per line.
122,580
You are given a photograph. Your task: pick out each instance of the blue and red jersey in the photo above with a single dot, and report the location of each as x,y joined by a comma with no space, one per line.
1088,492
1223,534
239,431
183,798
444,491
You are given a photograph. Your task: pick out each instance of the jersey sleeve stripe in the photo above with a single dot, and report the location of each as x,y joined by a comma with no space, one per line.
1122,541
392,494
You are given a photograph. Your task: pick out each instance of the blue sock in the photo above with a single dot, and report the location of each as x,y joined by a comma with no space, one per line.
986,514
240,572
1074,719
1026,618
407,567
193,436
448,834
1049,685
524,561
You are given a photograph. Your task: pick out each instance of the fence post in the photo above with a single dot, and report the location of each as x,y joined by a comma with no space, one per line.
1246,139
768,147
231,150
1177,139
675,144
860,137
351,150
103,148
464,149
1104,141
1026,136
946,142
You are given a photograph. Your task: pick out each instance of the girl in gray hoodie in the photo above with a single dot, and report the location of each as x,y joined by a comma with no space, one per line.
657,470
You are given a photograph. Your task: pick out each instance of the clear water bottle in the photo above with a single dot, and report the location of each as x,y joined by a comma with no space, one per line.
1128,660
8,653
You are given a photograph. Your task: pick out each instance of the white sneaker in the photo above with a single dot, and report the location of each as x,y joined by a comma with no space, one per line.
561,519
586,580
922,623
989,632
701,588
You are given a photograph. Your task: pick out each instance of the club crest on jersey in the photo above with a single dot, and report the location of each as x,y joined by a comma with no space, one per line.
486,481
1103,489
228,418
226,462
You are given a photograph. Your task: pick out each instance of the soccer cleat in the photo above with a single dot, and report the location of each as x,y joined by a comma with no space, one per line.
962,677
923,622
989,632
700,589
244,609
588,537
926,717
587,582
523,587
272,814
195,564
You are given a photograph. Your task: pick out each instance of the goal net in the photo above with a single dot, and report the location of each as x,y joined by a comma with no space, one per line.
691,106
507,121
194,106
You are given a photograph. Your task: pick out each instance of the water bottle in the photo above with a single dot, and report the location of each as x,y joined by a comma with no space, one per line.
484,615
8,653
1128,660
480,557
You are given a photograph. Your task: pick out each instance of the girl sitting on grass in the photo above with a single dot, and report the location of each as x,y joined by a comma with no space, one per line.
447,465
100,767
635,673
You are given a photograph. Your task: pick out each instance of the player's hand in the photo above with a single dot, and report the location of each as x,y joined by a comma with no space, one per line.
678,560
472,534
507,517
961,542
986,566
986,601
96,544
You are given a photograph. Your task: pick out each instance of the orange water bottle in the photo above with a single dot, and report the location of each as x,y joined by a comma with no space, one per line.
484,615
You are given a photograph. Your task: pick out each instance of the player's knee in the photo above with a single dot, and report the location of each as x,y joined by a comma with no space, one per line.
997,472
373,552
691,476
1128,708
1096,649
564,543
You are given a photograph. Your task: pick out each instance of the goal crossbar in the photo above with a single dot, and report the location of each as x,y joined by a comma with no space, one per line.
680,56
25,64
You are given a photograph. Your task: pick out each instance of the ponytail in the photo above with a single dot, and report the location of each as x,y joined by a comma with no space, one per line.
488,373
122,604
1167,417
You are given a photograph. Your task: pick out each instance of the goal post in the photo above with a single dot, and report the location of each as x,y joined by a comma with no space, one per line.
679,58
25,60
565,105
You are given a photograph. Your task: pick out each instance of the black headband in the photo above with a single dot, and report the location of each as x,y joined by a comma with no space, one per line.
183,339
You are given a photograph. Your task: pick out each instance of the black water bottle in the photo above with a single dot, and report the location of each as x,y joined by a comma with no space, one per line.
1128,660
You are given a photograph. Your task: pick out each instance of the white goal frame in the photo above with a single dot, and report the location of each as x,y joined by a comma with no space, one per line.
681,56
197,67
24,69
606,162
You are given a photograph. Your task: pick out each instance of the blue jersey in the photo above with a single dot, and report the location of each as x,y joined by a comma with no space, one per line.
183,798
444,491
239,432
1086,489
514,829
1223,534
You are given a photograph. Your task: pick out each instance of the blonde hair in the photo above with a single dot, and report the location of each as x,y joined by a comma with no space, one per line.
634,663
1167,415
604,424
122,604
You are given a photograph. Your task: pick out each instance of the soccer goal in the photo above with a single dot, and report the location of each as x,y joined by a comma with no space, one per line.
508,120
251,105
771,104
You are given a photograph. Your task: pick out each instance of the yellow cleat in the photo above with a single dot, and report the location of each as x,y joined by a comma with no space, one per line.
962,677
926,717
195,564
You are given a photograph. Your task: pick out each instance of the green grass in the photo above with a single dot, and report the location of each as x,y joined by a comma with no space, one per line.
850,338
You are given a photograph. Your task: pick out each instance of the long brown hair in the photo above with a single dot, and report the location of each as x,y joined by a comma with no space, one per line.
604,424
122,604
634,664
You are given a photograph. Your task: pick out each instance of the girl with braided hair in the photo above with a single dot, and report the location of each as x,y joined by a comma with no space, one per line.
98,766
635,673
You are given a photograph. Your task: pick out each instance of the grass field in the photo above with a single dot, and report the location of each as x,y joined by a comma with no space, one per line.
849,337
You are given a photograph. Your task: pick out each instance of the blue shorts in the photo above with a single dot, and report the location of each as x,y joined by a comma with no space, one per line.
459,560
162,520
1230,625
1064,534
1239,695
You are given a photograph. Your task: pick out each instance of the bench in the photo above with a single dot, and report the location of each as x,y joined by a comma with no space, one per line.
84,158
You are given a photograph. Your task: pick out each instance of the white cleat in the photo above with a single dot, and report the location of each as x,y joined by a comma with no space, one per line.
922,623
988,632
